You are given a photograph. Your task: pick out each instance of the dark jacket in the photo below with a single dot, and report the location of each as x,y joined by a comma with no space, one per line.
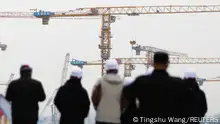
131,110
73,103
159,94
197,102
25,93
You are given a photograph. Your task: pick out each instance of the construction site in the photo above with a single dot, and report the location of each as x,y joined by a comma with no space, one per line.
139,53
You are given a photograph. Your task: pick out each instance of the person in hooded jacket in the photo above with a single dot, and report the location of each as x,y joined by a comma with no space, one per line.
107,95
72,100
197,102
24,95
131,109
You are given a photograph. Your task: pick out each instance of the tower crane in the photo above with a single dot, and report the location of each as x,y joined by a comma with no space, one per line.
108,16
133,61
150,50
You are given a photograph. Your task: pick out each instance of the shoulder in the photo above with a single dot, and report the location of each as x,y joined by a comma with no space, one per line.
84,91
14,82
61,88
36,83
176,79
143,77
179,84
98,82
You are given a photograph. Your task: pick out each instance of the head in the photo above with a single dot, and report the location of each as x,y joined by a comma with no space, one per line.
149,70
25,71
190,74
128,80
76,73
111,66
161,61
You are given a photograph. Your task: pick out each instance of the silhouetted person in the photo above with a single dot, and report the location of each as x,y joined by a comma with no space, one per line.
131,108
107,95
197,103
24,95
72,100
159,94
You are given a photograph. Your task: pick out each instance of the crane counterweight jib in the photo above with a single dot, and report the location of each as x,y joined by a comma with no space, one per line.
77,62
41,13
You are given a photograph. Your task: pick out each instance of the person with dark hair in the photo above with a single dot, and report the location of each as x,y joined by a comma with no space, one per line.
72,100
24,95
159,94
107,95
197,105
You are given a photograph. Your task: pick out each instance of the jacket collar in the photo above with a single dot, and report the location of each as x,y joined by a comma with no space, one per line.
160,72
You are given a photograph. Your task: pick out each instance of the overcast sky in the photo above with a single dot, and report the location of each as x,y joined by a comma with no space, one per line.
44,47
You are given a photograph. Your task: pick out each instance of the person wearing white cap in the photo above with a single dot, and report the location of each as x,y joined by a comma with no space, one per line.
197,99
107,95
72,99
190,73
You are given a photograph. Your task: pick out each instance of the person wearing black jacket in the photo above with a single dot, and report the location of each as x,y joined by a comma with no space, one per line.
197,102
24,95
159,94
131,109
72,100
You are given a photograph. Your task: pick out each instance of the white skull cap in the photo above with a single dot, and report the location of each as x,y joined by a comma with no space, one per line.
111,64
150,70
128,80
76,72
189,73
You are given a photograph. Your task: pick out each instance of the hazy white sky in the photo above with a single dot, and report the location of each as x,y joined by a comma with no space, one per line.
44,47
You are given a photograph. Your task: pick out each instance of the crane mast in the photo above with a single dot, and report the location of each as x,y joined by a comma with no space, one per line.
54,110
65,68
63,79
